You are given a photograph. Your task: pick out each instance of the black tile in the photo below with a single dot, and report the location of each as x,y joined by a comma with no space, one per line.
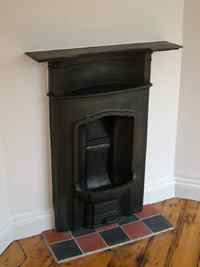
114,236
82,231
127,219
66,249
157,223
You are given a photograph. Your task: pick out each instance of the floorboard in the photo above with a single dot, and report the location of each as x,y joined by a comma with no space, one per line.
180,247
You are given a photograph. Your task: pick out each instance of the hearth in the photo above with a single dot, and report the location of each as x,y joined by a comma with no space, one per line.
98,100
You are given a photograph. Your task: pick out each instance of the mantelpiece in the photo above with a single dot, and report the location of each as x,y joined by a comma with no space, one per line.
64,54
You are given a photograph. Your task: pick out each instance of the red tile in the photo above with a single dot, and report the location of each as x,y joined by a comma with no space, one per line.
107,227
53,236
136,230
90,242
147,211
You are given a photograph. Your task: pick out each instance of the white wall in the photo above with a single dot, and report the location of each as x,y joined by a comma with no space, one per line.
188,142
32,25
5,229
188,145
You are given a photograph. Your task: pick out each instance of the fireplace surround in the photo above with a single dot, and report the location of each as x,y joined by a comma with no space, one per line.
98,102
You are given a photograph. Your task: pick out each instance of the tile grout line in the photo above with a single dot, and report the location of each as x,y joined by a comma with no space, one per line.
110,247
98,233
83,235
103,240
57,242
116,245
50,250
88,234
78,246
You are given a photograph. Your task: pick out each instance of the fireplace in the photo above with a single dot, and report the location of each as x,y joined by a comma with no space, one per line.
98,101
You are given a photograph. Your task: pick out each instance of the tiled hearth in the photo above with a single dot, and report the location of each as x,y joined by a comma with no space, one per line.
66,246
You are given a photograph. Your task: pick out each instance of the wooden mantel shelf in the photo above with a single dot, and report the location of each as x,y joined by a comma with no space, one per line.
64,54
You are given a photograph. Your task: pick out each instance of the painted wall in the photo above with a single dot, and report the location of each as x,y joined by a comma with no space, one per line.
32,25
5,229
188,145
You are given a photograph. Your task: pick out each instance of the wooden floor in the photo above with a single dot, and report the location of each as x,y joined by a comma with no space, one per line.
178,248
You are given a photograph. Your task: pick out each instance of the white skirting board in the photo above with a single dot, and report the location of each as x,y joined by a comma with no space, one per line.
161,190
6,236
25,225
30,224
188,188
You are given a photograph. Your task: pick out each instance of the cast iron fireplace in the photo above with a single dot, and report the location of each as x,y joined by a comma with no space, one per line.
98,100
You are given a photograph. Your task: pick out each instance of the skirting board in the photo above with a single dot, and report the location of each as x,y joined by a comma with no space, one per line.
161,190
6,237
30,224
25,225
188,188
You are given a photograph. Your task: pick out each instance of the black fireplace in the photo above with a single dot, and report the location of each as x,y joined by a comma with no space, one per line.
98,99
